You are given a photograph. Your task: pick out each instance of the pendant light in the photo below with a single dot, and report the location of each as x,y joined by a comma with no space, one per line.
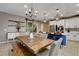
57,17
45,15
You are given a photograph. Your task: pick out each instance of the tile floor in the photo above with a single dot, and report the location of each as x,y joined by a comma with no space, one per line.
72,49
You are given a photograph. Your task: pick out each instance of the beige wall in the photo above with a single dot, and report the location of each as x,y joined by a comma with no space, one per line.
46,27
4,17
41,26
38,24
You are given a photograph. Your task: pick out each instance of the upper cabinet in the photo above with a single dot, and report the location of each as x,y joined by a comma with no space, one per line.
67,23
72,23
60,22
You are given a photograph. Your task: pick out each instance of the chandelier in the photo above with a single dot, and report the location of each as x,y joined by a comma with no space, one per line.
31,13
57,17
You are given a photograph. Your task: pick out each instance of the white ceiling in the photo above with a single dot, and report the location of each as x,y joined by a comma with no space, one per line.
67,9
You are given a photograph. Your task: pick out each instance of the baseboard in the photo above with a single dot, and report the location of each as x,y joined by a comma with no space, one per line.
74,40
5,42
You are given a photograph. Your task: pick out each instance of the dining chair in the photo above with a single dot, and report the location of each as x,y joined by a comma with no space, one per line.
44,36
54,49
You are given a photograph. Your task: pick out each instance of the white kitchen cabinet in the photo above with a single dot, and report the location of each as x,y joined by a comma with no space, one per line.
12,35
74,36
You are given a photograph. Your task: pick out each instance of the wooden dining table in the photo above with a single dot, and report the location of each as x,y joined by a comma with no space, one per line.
35,44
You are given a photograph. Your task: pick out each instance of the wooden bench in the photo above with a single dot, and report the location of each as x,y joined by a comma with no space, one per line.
20,50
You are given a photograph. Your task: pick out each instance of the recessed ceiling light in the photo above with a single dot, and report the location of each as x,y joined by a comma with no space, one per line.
36,11
77,11
25,6
46,15
26,12
57,18
44,20
57,10
61,14
29,10
77,4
